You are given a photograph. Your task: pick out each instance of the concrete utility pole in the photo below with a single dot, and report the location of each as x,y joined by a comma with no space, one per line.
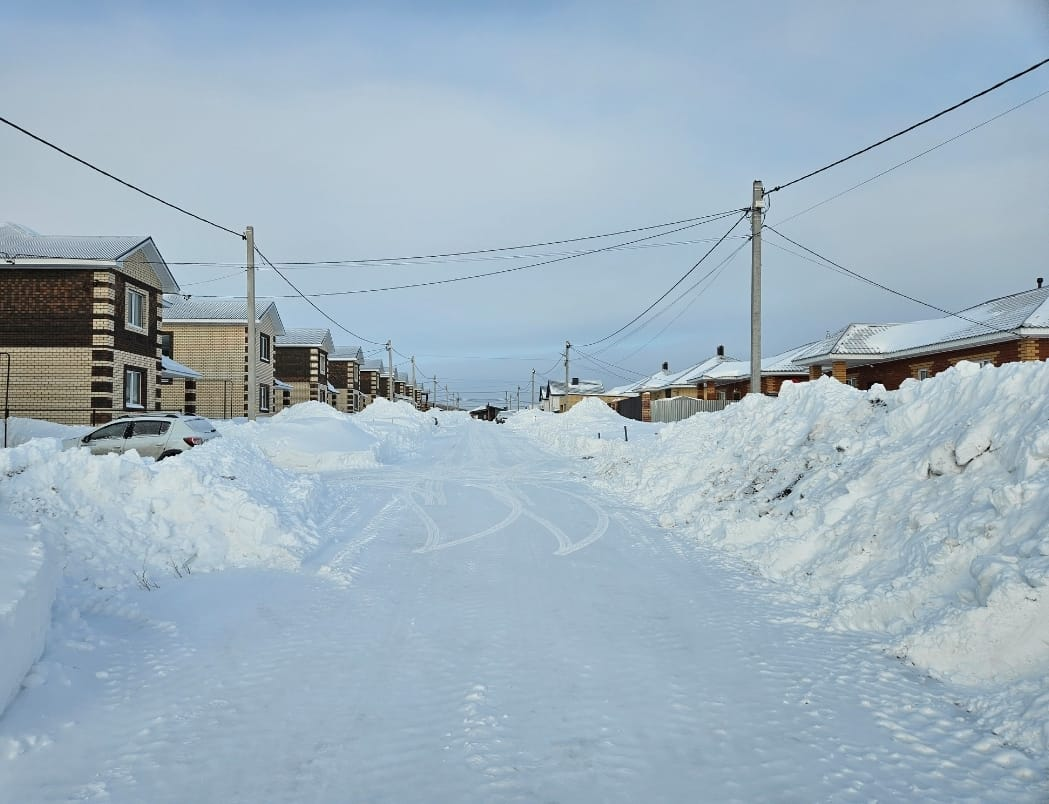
414,395
389,353
755,287
434,402
564,399
253,332
532,399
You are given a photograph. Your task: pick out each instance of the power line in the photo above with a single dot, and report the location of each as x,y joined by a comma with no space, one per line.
910,128
451,280
311,303
128,184
671,288
914,158
869,281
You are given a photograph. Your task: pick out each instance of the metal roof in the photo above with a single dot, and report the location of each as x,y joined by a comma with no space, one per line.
372,365
221,311
307,336
346,353
22,243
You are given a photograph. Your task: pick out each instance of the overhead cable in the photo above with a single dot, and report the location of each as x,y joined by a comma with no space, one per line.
910,128
128,184
671,288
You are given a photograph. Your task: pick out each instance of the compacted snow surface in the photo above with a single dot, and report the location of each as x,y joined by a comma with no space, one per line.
832,595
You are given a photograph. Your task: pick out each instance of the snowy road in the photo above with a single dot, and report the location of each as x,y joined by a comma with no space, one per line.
479,625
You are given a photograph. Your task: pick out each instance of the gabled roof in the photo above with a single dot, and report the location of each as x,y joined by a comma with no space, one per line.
583,387
346,353
307,336
991,321
188,310
372,365
694,374
29,249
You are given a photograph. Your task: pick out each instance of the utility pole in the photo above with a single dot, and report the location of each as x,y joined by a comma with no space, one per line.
532,398
253,334
564,399
756,208
434,402
414,394
389,353
447,396
518,397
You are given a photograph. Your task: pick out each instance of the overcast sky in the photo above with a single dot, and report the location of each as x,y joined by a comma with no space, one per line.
350,131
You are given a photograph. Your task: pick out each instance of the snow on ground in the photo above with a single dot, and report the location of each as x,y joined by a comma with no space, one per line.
397,603
921,515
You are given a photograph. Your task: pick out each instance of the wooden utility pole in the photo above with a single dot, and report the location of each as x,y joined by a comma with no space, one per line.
414,394
757,205
389,353
532,400
253,332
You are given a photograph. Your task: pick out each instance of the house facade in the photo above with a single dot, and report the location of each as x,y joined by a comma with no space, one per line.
79,322
210,336
553,396
1005,330
302,363
344,374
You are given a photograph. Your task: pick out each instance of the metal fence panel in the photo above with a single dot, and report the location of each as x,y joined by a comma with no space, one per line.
681,407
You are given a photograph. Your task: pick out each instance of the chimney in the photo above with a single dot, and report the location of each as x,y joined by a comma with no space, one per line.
666,366
1039,282
721,350
575,381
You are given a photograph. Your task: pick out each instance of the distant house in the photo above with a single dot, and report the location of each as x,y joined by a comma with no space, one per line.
369,380
486,413
553,396
302,362
1005,330
79,319
210,336
344,374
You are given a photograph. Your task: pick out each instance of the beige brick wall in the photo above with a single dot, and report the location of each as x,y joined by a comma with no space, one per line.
138,268
219,353
51,383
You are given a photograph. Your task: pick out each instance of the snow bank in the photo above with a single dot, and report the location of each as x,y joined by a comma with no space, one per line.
920,514
28,581
311,436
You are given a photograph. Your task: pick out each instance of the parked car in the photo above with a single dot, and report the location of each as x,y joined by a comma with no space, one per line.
153,435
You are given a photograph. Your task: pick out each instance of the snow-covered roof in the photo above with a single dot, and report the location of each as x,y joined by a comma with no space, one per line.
30,249
307,336
171,369
372,365
283,386
218,311
990,321
332,389
346,353
583,388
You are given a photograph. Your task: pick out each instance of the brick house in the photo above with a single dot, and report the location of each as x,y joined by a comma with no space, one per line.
210,336
302,363
370,371
552,396
79,319
344,373
1005,330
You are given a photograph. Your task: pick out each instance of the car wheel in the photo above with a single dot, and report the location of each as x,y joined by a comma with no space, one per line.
168,454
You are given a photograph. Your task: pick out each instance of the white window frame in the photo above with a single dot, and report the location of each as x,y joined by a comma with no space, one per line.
265,347
322,364
923,374
265,398
136,316
134,381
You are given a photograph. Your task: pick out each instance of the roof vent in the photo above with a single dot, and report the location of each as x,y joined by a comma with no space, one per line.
1039,282
575,381
666,366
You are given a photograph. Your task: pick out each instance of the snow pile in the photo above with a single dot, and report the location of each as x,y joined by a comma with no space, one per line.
28,580
311,436
920,514
398,427
21,430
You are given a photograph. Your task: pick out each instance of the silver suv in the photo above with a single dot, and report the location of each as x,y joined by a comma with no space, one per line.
154,435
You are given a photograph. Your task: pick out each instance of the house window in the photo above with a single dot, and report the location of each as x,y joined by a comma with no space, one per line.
166,344
322,363
923,374
264,398
134,383
135,309
264,347
986,363
851,381
322,394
